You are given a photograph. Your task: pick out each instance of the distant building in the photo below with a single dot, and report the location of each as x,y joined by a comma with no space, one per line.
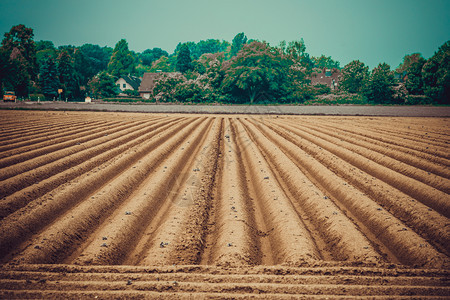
149,80
328,77
128,83
147,85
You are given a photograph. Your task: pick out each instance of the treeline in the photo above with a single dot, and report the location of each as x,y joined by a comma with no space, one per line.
243,71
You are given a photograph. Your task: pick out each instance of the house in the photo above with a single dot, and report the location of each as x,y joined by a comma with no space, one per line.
147,84
128,83
327,77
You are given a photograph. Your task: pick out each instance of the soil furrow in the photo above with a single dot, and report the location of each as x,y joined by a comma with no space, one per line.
437,182
420,138
53,163
378,279
408,147
35,158
386,150
64,235
233,288
231,240
45,209
290,240
27,152
427,222
342,238
23,137
223,206
109,150
24,140
122,233
192,240
431,197
183,181
405,244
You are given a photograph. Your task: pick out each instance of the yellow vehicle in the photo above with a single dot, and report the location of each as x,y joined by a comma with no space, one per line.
9,96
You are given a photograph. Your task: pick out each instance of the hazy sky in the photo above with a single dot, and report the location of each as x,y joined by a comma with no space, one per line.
372,31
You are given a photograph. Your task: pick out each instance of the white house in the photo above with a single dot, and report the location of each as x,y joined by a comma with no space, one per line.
128,83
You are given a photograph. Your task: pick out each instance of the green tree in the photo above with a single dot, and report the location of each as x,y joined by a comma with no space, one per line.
42,55
209,46
257,72
296,51
93,59
49,80
162,64
325,62
67,78
150,55
414,81
122,61
203,47
354,77
408,60
184,61
44,45
436,75
238,42
103,85
379,88
19,46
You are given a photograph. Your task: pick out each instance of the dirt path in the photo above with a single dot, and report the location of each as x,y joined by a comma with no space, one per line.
350,110
222,205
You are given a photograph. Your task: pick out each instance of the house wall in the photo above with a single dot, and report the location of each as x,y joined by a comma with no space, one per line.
121,82
145,95
331,81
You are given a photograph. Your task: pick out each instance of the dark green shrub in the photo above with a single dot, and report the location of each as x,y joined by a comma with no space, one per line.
36,97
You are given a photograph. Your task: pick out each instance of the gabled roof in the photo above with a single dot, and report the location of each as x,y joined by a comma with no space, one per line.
133,81
148,82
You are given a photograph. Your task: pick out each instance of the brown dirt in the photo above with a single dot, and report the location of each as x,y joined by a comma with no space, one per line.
122,205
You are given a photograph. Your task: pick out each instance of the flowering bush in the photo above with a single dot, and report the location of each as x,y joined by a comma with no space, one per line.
165,86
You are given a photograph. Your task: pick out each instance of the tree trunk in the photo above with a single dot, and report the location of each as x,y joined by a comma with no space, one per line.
252,94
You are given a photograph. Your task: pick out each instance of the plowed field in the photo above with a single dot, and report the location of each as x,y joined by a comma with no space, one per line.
111,205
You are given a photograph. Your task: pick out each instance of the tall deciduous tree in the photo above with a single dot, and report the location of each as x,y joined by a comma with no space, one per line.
184,61
325,62
238,41
296,51
49,78
436,75
414,81
122,60
67,78
354,77
379,88
19,45
150,55
257,71
95,59
408,60
103,85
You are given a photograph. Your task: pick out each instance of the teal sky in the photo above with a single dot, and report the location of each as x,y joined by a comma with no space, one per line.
372,31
